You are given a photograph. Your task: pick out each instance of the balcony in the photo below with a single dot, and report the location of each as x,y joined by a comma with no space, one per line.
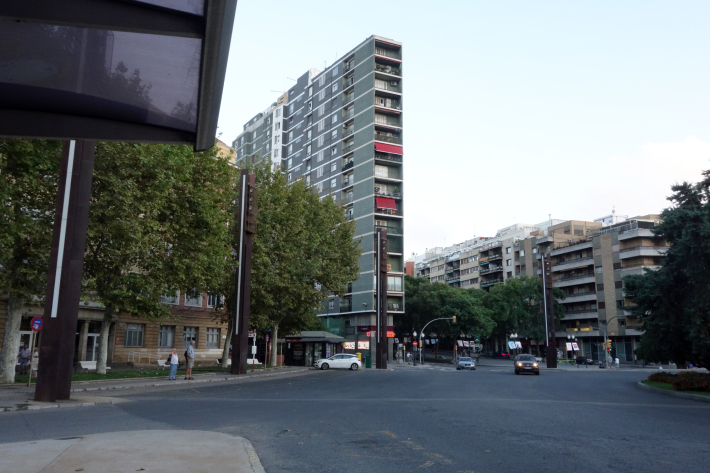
348,181
495,256
389,212
580,314
390,230
348,148
384,120
388,53
391,307
491,282
349,114
388,138
346,305
636,251
347,166
388,70
388,86
580,297
348,99
390,106
573,263
348,132
494,269
393,158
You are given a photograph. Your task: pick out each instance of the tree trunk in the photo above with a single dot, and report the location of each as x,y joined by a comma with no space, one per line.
227,342
274,345
103,340
9,353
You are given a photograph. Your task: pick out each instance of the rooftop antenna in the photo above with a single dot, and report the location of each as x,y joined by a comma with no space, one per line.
550,217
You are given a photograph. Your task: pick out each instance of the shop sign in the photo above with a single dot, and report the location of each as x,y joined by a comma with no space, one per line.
575,347
465,343
511,345
569,346
459,343
363,345
349,345
390,334
396,340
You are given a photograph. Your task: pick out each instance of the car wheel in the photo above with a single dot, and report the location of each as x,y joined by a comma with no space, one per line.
537,373
457,368
354,367
324,366
517,372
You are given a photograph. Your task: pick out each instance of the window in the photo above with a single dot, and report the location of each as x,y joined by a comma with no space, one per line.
394,283
620,304
310,106
333,167
193,300
278,113
308,150
242,140
310,91
319,171
213,301
321,140
309,134
290,149
321,80
290,109
507,262
310,120
334,151
268,147
522,253
601,305
167,336
289,177
290,136
335,87
507,250
289,163
189,334
308,180
333,183
600,287
276,153
171,299
134,335
321,125
534,250
381,171
334,134
335,71
319,186
212,338
278,126
335,118
321,94
618,284
331,304
599,269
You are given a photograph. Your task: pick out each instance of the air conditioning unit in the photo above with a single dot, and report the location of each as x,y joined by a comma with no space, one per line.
394,82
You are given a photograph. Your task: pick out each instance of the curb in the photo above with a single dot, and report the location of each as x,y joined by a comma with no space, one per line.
253,457
109,400
692,397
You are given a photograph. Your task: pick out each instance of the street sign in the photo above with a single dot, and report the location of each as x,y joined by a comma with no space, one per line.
252,333
36,324
253,350
367,334
267,337
415,343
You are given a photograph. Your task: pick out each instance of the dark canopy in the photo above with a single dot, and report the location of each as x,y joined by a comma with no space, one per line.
143,71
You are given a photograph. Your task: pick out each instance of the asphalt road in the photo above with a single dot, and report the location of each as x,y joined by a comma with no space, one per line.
407,420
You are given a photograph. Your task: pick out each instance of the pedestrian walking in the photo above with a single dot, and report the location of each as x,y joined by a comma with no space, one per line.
24,356
409,358
190,356
173,361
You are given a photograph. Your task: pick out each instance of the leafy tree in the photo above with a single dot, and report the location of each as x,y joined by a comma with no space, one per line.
674,301
157,224
29,174
304,249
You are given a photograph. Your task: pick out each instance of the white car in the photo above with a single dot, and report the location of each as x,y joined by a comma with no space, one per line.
341,360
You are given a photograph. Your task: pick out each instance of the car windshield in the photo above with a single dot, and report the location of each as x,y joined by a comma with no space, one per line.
464,358
526,358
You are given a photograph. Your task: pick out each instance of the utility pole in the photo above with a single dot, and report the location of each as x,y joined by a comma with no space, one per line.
246,228
381,302
549,305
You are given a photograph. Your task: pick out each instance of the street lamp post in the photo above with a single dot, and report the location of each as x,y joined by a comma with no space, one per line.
572,340
606,324
414,355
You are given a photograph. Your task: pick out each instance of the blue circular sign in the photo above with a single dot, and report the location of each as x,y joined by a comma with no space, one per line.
36,324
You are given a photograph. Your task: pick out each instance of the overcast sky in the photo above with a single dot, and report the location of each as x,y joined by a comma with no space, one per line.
512,110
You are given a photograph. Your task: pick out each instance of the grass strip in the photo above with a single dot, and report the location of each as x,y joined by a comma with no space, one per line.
668,387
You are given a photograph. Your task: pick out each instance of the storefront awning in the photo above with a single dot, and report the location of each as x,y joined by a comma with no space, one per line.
322,340
385,203
385,148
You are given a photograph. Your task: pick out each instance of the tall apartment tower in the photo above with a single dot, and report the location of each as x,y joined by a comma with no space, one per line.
340,130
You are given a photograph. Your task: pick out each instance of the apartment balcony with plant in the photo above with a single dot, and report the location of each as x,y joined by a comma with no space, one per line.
388,105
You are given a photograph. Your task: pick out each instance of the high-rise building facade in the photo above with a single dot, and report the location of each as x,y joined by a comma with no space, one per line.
341,130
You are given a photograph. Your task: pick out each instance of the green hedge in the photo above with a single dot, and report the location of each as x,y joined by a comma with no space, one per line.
684,381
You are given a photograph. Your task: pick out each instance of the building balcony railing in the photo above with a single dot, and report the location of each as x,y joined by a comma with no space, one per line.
395,307
388,138
348,115
347,306
490,282
380,192
491,269
387,121
496,256
387,53
348,148
578,276
388,70
347,166
388,87
348,131
579,294
572,260
348,99
349,199
397,212
390,230
658,248
389,157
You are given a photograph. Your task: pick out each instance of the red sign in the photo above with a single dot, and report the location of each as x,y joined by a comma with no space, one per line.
414,343
390,334
36,324
367,334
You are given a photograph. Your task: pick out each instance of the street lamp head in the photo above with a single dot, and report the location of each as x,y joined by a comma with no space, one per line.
414,333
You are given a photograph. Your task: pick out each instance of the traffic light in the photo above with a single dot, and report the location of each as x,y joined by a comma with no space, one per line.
608,344
454,319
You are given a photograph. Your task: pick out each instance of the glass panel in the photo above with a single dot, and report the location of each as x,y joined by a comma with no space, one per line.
131,77
196,7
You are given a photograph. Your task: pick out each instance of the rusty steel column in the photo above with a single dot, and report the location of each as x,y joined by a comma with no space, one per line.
381,304
246,228
66,264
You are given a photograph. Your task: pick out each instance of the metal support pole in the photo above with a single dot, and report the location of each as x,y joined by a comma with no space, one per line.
246,218
66,264
381,302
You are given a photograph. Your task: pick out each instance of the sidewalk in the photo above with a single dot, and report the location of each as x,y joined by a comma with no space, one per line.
155,451
16,397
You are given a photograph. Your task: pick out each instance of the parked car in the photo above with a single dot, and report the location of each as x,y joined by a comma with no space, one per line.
501,354
466,363
527,364
584,360
341,360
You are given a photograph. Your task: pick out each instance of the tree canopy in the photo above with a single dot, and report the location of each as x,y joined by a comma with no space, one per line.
674,301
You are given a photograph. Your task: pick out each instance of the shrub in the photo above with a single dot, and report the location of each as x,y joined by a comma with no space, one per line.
691,381
663,377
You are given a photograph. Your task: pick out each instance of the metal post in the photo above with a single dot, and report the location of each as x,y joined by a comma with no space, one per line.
381,302
61,308
246,217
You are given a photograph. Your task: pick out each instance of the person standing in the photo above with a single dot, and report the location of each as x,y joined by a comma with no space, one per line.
190,360
174,361
25,355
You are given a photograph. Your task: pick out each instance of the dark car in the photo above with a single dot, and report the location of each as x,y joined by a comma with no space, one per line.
584,360
501,354
526,364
